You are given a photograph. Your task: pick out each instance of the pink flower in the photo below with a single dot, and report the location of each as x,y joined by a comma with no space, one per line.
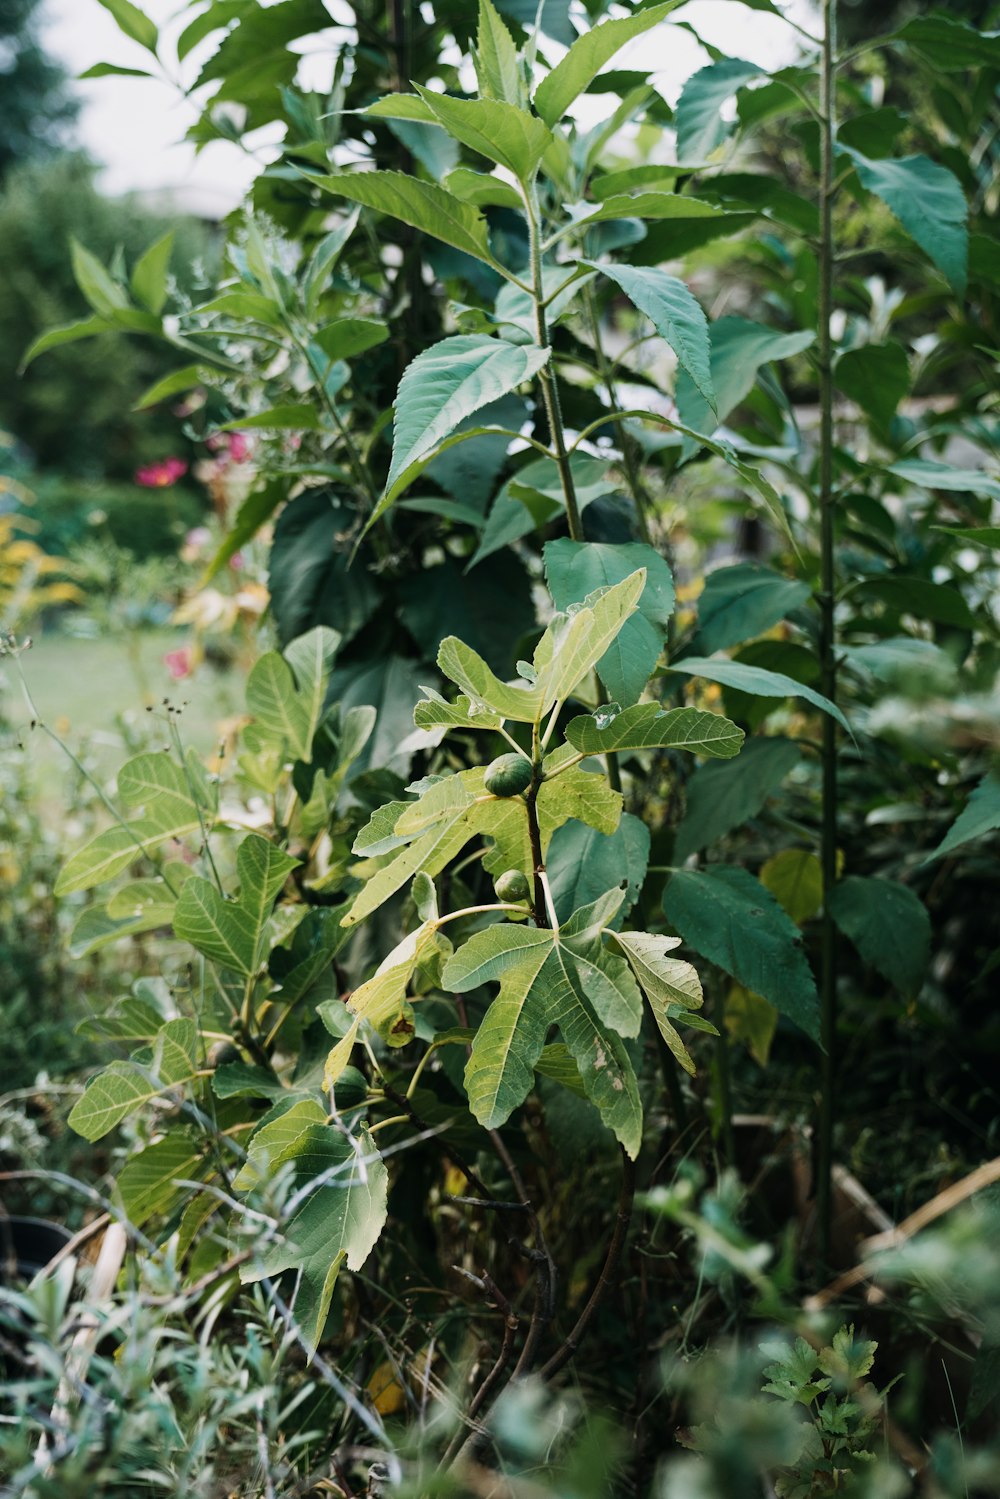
239,447
199,537
236,562
161,475
180,663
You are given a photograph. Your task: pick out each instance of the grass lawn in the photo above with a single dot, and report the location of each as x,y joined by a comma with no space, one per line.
90,691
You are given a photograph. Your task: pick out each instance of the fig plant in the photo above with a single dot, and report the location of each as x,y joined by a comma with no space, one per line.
255,909
462,325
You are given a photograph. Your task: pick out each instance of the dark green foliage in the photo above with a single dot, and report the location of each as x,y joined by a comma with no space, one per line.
36,108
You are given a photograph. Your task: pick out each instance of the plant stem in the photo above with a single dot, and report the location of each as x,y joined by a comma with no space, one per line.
550,391
538,901
626,441
623,1217
827,635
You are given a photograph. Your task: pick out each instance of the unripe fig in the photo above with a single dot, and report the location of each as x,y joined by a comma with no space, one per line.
508,775
512,885
350,1089
222,1052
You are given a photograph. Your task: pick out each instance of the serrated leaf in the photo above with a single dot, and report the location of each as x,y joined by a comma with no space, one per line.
502,132
160,787
755,680
434,712
742,601
587,56
575,569
928,201
674,313
422,205
888,925
739,350
496,57
723,797
701,126
726,915
440,388
980,815
648,726
338,1223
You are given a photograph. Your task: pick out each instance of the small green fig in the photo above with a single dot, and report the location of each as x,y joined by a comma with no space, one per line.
512,885
222,1052
508,775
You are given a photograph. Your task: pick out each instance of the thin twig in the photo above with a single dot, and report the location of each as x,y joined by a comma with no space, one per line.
623,1218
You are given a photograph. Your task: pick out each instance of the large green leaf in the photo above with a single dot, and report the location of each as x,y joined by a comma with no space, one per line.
723,797
742,601
566,977
582,863
124,1087
574,570
726,915
888,925
648,726
921,598
339,1222
758,681
310,579
587,56
507,135
701,127
674,313
928,201
877,376
740,349
980,815
949,43
443,386
234,932
422,205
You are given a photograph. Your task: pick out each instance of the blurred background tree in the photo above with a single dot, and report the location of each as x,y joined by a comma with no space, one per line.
74,410
36,106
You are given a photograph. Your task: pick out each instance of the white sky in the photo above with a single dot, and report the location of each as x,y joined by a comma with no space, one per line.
135,126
